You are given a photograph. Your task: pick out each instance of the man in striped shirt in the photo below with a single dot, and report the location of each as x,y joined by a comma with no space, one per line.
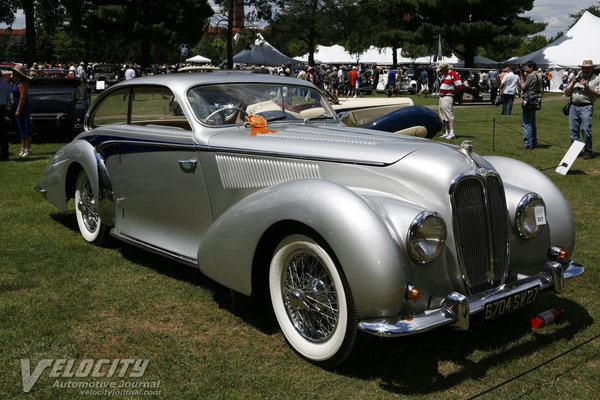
450,85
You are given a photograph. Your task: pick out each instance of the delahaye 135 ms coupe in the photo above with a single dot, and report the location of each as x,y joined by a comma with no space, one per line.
260,185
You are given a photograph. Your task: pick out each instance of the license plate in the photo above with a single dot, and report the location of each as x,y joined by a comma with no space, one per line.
510,303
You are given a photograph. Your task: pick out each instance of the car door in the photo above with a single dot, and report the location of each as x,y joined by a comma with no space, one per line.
160,195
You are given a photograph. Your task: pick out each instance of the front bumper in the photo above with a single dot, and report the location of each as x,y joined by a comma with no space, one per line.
457,309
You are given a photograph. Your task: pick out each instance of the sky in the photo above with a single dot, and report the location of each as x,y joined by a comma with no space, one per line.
555,12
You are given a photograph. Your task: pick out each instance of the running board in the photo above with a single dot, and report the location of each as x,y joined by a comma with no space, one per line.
154,249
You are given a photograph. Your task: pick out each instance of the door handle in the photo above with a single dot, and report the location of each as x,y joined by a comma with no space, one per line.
188,165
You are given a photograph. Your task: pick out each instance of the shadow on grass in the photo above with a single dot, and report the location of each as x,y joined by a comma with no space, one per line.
438,360
255,310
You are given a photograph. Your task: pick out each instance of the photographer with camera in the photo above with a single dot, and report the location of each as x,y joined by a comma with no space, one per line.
584,90
531,83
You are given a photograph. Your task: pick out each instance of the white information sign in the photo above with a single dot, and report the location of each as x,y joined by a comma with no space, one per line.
100,85
570,157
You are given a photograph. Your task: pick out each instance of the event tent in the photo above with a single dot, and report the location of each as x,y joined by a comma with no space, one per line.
336,54
568,51
198,59
262,53
479,62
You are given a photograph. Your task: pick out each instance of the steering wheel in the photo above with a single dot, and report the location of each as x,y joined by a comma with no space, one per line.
227,118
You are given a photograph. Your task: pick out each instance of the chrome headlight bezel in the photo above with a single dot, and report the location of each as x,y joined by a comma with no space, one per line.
424,244
525,218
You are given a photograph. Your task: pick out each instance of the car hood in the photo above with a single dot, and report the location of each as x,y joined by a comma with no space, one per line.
321,142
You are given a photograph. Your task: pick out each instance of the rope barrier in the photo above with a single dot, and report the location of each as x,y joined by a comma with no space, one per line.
534,368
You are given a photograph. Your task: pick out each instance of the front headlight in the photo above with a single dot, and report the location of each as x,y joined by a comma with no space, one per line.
426,237
530,216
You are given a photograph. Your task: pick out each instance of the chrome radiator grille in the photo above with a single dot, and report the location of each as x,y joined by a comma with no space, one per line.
481,231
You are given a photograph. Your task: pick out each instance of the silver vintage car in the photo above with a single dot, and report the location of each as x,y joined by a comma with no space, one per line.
259,184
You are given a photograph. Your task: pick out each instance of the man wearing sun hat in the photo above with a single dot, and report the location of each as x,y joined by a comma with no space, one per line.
584,90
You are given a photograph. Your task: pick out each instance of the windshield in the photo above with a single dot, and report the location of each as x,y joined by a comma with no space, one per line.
230,104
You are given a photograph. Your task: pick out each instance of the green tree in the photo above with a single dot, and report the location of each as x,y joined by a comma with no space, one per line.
467,25
311,22
15,48
40,15
592,9
385,23
156,28
532,44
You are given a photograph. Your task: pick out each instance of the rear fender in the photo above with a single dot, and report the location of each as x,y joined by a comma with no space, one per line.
58,178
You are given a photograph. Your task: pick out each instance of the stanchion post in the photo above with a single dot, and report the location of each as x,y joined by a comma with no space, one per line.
494,134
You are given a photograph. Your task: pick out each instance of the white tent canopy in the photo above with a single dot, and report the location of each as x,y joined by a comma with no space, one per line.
479,62
571,49
198,59
336,54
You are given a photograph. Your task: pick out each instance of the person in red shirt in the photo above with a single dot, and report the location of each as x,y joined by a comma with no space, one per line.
353,77
310,75
450,86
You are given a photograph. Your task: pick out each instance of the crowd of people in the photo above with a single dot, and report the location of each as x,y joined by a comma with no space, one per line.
525,81
528,82
350,80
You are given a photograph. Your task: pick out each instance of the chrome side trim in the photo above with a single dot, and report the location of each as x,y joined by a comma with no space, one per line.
157,250
246,172
456,309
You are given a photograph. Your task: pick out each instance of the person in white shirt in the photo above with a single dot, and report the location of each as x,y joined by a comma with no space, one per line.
508,88
81,70
129,73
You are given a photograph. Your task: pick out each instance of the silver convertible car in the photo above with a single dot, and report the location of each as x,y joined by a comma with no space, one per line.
259,184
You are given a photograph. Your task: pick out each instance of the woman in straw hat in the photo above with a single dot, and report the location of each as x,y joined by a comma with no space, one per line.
22,108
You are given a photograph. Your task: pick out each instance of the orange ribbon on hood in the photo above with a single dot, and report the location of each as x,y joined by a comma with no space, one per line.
259,125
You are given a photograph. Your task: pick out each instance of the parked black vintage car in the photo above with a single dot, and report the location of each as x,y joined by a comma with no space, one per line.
59,103
109,74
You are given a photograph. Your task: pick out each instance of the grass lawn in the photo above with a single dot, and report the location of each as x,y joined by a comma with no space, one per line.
61,298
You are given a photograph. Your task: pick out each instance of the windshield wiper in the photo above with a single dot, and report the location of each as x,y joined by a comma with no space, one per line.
276,118
322,116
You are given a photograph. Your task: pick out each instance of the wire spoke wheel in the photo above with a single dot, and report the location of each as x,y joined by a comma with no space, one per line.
309,296
90,226
312,302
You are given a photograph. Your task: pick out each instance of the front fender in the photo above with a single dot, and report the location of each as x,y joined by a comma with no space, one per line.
558,213
362,243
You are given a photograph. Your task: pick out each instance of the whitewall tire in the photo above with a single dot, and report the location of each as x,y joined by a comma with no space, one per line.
312,301
90,226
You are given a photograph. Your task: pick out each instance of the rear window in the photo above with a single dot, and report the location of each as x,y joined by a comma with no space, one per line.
150,105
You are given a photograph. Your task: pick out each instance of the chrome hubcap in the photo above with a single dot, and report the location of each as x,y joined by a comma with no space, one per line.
309,295
87,207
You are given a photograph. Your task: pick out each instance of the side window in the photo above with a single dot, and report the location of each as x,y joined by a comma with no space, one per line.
156,105
113,109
